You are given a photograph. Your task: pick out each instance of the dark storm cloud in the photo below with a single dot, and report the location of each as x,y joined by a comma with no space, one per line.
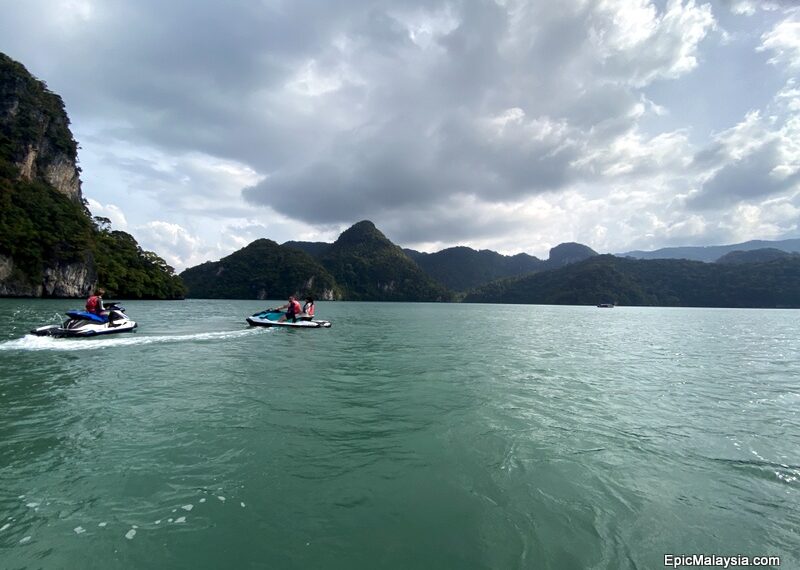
404,124
449,223
418,115
751,178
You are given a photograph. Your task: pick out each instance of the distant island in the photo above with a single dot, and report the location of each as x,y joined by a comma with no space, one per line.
710,253
364,265
659,282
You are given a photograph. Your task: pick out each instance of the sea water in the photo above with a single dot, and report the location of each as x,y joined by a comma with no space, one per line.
406,436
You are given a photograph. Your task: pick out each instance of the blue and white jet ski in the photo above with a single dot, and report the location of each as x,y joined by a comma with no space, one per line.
85,324
270,318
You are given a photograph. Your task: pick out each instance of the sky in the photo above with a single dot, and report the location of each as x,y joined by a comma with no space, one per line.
497,124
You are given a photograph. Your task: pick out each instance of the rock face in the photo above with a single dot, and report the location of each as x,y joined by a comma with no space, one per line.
38,157
69,279
59,280
35,128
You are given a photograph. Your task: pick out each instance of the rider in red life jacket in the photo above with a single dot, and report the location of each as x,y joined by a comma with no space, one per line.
95,303
292,310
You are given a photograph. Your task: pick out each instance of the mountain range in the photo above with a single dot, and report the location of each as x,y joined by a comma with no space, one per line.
661,282
365,265
361,265
709,253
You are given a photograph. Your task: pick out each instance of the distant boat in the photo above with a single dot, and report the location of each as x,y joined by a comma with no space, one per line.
607,305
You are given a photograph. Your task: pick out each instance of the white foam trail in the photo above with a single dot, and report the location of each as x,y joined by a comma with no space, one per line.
33,343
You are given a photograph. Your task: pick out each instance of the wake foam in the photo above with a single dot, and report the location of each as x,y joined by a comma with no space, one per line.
32,342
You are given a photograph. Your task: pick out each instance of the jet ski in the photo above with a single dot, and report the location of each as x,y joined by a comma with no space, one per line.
270,317
85,324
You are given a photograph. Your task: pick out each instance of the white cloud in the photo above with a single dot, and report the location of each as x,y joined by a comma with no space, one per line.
751,7
743,7
110,211
783,41
172,242
789,96
641,45
770,220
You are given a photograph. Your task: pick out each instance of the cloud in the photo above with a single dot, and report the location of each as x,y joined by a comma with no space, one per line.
750,7
640,45
110,211
783,42
494,138
758,158
176,245
509,124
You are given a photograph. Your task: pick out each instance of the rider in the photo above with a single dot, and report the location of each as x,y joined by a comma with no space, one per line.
94,304
292,310
308,309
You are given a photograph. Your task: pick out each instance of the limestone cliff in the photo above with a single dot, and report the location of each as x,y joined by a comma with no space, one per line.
76,279
49,244
34,131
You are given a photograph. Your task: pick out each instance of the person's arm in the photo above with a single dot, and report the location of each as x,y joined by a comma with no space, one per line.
100,306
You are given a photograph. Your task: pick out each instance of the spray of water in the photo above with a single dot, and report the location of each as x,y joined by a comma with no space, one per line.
32,343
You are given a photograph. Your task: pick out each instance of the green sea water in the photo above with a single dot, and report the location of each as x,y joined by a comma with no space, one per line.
405,436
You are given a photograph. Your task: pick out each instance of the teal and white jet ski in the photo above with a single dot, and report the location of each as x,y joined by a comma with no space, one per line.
271,317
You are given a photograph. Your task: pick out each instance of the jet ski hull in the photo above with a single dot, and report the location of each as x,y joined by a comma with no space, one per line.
82,324
77,330
256,321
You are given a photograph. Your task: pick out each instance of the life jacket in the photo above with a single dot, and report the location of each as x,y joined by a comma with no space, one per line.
309,309
93,304
294,308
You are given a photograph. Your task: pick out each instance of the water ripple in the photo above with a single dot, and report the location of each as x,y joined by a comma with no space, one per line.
406,436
